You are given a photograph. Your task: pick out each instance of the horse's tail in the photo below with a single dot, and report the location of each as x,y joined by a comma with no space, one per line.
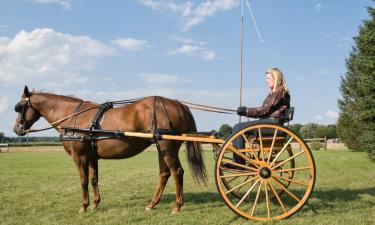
194,153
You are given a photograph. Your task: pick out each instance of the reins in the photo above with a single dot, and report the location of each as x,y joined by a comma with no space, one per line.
208,108
59,121
129,101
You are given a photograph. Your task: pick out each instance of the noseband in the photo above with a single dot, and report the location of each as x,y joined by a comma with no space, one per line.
22,107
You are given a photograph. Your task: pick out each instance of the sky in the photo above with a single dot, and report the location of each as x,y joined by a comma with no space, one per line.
186,50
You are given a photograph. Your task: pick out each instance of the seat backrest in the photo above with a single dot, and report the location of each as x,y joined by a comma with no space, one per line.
287,115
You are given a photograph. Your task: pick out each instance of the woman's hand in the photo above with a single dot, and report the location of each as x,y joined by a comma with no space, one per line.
241,111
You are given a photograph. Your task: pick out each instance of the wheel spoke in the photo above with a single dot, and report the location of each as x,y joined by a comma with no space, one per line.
250,147
293,181
267,199
256,199
231,180
238,175
271,149
277,196
287,160
292,169
285,189
281,151
240,185
239,165
261,144
231,147
247,193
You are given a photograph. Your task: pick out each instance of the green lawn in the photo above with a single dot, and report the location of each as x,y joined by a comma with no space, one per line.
43,188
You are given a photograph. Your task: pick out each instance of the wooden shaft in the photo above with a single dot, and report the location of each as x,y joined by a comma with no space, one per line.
183,137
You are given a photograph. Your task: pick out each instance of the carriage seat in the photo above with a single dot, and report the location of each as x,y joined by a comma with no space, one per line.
287,116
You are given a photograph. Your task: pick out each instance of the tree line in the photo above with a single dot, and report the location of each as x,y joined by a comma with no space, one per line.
5,139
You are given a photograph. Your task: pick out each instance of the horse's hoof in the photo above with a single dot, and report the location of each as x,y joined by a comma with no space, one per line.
148,209
94,207
82,210
176,210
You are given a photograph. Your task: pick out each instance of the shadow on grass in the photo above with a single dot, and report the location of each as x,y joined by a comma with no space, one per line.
328,198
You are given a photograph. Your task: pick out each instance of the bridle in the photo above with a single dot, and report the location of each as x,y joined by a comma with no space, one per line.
22,107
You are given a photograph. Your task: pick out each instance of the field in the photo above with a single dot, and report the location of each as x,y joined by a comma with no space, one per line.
43,188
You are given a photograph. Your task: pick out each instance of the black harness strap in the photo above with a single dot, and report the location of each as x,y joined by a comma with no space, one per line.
95,123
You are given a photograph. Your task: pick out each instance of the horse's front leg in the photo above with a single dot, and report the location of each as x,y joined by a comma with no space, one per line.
82,164
93,171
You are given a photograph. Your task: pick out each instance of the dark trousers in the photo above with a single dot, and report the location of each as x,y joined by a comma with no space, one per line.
239,142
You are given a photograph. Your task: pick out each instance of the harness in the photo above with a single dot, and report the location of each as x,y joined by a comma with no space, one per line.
95,133
69,133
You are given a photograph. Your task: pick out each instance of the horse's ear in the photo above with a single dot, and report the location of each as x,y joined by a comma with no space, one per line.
26,91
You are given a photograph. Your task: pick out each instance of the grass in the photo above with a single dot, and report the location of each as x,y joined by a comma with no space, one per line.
43,188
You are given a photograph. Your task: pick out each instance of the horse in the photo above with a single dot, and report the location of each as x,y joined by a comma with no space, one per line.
140,116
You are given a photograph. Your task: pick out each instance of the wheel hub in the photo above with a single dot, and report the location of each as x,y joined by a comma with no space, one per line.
265,172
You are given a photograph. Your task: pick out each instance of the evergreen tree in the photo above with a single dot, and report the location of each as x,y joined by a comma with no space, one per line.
356,124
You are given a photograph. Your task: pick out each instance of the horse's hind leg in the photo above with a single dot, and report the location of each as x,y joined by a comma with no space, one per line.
164,174
93,171
170,151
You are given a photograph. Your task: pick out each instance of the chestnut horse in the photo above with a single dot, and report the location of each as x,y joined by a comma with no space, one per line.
136,117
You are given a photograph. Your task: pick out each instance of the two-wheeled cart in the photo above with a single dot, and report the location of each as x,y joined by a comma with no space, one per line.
277,176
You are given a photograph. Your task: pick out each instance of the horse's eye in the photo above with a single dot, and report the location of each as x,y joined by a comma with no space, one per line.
18,107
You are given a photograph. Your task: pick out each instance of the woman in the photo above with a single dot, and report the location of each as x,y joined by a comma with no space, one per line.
272,110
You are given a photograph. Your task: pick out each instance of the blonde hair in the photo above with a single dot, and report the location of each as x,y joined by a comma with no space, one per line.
278,77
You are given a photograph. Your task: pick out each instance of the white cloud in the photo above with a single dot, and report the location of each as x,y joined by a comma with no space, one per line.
188,41
189,15
181,9
43,55
4,103
318,7
208,9
208,55
157,78
130,43
67,4
192,48
332,114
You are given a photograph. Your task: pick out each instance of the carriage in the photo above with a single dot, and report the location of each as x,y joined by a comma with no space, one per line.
277,178
274,182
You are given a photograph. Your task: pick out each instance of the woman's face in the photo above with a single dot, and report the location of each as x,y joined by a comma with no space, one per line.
270,81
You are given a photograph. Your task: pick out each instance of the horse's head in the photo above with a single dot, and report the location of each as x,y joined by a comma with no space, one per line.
27,115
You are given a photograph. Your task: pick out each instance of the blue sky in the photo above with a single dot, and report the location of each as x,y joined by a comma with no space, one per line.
188,50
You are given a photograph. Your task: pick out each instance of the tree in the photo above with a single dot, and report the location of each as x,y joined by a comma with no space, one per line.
225,131
356,126
308,130
2,137
295,128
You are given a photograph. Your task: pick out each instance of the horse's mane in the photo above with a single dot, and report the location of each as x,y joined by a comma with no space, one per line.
65,97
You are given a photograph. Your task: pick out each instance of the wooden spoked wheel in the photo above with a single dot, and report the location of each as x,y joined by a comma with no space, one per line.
229,181
276,179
